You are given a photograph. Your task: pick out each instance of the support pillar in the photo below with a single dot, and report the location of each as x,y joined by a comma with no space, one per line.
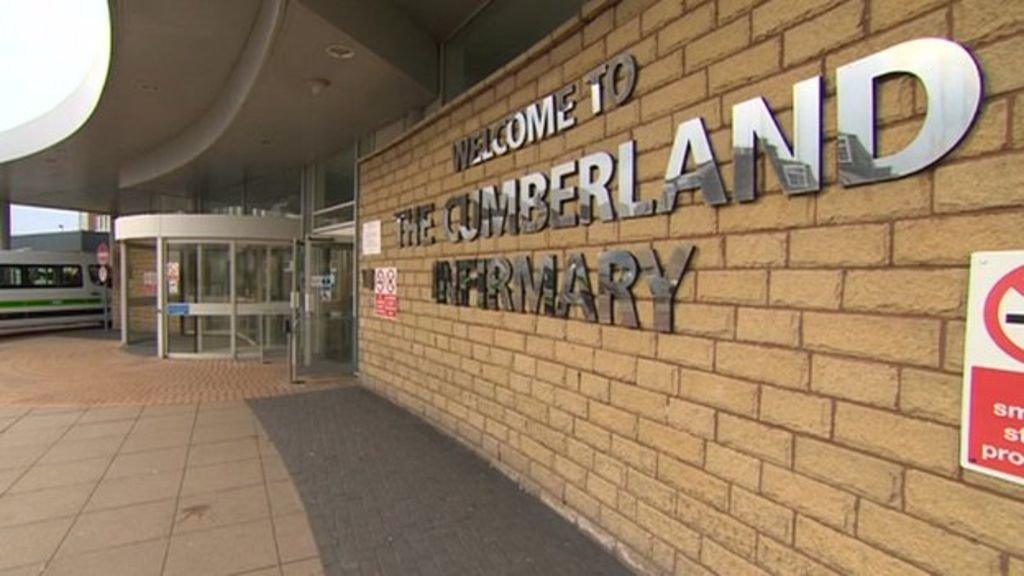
5,225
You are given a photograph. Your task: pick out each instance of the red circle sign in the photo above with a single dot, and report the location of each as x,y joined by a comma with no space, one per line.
1012,281
102,255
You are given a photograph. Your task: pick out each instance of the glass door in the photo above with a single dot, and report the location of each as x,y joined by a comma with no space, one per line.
327,330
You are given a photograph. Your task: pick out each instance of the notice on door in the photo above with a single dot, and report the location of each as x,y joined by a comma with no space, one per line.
992,434
385,292
371,238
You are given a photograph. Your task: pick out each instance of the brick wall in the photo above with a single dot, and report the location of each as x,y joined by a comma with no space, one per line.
803,418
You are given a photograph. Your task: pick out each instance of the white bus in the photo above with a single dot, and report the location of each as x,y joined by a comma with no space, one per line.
42,290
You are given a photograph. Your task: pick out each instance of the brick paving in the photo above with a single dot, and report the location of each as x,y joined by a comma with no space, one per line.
89,368
185,490
388,494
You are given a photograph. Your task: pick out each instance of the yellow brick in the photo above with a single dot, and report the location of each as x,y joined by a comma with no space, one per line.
772,211
719,391
928,546
865,382
639,401
693,221
705,319
649,490
724,41
859,245
548,480
684,351
969,185
626,531
628,341
846,554
859,473
657,376
806,288
876,202
977,19
907,291
727,9
777,14
613,419
763,514
800,412
954,346
735,467
755,250
932,395
733,286
602,490
897,437
978,514
807,40
768,326
693,418
682,30
988,134
874,337
779,366
679,536
665,69
765,442
694,482
886,14
779,559
669,440
685,91
950,240
581,502
758,61
815,499
640,457
731,533
660,13
724,562
616,366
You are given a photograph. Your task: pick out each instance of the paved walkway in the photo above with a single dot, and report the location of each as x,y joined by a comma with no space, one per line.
88,367
389,495
186,490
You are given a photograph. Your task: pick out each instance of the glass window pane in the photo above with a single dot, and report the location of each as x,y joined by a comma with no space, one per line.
499,33
10,276
42,276
339,184
250,273
215,275
71,276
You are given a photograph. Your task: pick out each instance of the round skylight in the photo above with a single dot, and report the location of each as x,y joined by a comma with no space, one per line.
54,57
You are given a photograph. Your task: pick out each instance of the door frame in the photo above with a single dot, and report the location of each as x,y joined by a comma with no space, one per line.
306,294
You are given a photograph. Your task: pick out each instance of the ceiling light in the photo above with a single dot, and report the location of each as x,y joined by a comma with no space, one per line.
340,52
149,87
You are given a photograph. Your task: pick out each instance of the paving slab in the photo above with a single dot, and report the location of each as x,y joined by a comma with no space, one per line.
388,494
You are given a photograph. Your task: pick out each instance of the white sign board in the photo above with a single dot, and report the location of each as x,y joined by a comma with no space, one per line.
371,238
992,434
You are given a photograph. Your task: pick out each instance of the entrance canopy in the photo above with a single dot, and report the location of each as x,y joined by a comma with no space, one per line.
207,285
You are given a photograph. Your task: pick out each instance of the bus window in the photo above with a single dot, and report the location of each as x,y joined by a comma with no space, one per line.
71,276
10,276
41,276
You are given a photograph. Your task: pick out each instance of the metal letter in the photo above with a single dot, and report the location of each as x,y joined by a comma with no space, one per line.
691,137
560,194
952,84
442,292
752,122
627,65
534,294
612,293
629,206
596,187
576,289
499,275
564,105
533,189
663,285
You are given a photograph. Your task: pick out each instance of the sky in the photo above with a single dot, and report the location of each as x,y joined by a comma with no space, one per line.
31,220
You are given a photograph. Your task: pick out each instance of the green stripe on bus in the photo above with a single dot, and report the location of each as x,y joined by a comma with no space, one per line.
58,302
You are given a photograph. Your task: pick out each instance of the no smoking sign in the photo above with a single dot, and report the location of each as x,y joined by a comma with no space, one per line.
385,292
992,435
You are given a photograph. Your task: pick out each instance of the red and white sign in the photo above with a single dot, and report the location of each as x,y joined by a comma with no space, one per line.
385,292
992,434
103,255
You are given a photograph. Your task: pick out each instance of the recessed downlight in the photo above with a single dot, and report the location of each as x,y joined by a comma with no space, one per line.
340,52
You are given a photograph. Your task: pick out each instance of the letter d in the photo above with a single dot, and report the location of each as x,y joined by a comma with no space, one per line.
952,84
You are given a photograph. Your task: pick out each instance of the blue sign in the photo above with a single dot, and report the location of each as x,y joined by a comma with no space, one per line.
177,309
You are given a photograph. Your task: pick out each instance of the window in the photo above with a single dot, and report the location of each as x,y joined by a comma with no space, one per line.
10,276
41,276
94,274
71,276
497,34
